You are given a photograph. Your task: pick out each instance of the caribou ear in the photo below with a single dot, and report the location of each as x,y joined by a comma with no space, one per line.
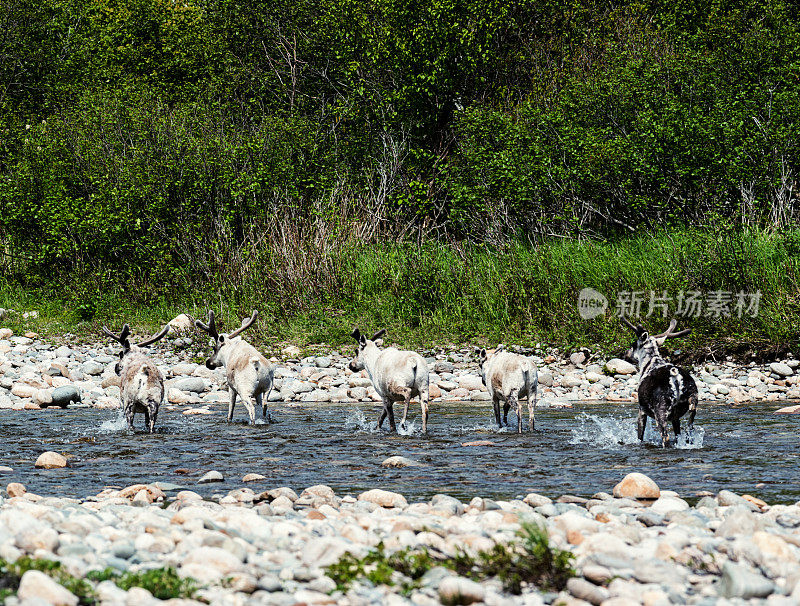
482,354
644,336
363,341
356,334
378,342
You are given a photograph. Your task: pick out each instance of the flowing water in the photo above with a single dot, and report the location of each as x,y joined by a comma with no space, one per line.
579,451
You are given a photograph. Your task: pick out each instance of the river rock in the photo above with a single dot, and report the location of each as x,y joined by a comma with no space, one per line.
577,358
470,382
460,590
35,585
384,498
398,461
666,504
584,590
191,384
211,476
740,582
66,395
15,489
50,460
779,368
92,368
253,477
739,521
43,398
180,323
619,367
637,486
221,561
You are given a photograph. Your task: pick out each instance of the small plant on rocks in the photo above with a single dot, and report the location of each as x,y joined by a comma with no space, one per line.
163,583
11,573
529,561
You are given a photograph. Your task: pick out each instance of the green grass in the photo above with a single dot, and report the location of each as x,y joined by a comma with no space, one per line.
531,560
163,583
439,294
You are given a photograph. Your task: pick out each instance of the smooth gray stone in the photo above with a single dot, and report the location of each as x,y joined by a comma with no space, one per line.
191,384
650,518
64,396
584,590
740,582
728,498
168,486
447,503
709,502
269,582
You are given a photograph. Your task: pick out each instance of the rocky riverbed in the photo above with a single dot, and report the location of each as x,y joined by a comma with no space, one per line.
634,544
35,373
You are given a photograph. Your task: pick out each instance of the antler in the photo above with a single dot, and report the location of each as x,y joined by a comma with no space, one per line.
668,334
121,338
636,329
210,327
160,335
378,334
246,323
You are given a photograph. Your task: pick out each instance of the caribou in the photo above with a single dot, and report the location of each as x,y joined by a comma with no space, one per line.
396,375
509,377
250,375
666,392
141,385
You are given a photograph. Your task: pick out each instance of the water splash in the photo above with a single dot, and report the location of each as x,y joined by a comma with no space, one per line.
693,440
114,425
490,427
610,433
410,428
356,421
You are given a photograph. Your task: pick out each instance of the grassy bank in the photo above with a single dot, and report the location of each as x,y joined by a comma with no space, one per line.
437,293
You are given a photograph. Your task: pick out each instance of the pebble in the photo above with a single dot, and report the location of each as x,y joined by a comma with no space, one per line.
398,461
384,498
50,460
740,582
620,367
637,486
779,368
35,585
460,590
211,476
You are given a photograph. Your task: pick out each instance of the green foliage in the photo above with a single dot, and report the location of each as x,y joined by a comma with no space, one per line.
529,561
155,137
163,583
11,573
316,291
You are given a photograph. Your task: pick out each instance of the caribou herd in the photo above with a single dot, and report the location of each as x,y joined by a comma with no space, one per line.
666,392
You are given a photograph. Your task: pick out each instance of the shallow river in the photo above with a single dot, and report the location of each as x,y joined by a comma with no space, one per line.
577,451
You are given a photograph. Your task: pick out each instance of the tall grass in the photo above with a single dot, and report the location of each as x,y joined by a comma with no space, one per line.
313,283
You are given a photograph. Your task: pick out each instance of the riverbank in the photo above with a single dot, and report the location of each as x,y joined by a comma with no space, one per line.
736,289
633,543
33,369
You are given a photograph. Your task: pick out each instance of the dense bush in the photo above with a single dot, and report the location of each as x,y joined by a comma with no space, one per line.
165,141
